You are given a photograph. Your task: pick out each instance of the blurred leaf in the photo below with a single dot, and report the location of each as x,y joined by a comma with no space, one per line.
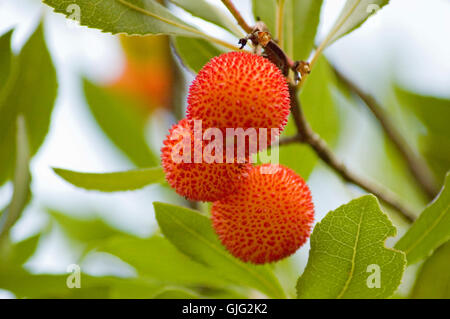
113,182
343,245
209,12
320,109
353,15
266,10
176,294
318,102
301,18
22,251
26,285
378,160
13,256
204,51
21,181
193,235
120,120
433,131
5,57
430,230
170,266
133,17
29,93
84,230
433,281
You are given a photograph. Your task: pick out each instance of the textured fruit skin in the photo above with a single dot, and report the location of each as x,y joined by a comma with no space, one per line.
267,218
198,181
240,90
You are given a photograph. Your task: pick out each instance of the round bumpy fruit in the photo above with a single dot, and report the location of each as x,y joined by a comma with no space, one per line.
267,218
240,90
193,174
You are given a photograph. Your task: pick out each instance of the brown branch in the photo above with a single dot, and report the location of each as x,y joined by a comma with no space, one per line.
416,165
237,15
308,136
289,140
320,147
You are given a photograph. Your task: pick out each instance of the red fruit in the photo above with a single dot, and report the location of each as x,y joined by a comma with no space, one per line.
240,90
267,218
197,181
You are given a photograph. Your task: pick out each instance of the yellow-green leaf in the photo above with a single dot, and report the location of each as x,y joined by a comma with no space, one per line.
353,15
204,51
266,10
171,266
5,57
193,235
348,258
430,230
29,93
133,17
121,119
209,12
301,18
433,281
21,181
113,182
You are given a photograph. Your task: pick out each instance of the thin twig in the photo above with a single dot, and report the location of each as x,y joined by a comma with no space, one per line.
418,168
288,140
237,15
308,136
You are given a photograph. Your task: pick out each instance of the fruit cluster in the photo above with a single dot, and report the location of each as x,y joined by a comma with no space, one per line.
260,213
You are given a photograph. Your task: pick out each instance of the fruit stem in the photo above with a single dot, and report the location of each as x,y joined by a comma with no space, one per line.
237,15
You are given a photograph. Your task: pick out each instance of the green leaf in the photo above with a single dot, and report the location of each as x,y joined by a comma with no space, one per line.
119,117
344,247
433,281
21,182
22,251
431,113
85,230
28,92
171,266
5,57
13,256
113,182
204,51
133,17
353,15
266,10
193,235
430,230
301,19
210,13
26,285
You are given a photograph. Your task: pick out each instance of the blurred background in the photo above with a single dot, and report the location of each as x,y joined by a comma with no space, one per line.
118,96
